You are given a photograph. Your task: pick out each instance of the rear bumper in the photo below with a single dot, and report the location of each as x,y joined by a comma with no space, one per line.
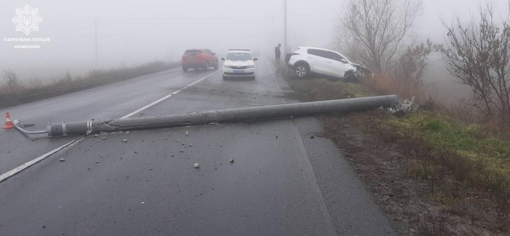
193,64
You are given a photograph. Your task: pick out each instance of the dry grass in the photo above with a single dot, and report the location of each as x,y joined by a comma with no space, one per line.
387,85
13,92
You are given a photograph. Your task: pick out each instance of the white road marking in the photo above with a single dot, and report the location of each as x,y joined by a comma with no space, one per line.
166,97
20,168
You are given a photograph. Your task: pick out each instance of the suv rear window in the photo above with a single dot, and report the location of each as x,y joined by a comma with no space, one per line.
192,52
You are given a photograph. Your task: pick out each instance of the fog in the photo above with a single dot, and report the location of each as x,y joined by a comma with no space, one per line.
135,32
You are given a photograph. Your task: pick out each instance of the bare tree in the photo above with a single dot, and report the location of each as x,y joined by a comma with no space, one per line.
372,31
410,69
478,55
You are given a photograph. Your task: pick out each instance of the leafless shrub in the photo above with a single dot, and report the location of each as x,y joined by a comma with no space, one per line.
35,83
478,55
406,77
12,85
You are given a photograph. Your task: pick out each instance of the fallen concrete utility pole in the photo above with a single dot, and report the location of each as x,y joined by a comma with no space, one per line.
219,116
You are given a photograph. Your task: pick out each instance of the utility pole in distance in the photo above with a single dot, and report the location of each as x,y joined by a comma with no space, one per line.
284,29
95,35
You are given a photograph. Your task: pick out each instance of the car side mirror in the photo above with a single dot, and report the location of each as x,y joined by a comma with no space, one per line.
344,61
222,58
255,59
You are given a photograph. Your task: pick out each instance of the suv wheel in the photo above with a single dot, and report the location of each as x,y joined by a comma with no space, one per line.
185,69
301,70
206,65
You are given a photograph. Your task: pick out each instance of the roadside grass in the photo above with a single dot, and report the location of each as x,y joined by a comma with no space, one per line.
14,92
324,89
465,151
466,168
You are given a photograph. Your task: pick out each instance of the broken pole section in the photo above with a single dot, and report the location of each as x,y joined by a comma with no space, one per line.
225,116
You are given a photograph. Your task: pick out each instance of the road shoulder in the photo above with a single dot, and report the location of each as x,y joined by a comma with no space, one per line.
351,206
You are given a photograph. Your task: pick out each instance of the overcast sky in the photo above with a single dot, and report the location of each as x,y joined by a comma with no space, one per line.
134,32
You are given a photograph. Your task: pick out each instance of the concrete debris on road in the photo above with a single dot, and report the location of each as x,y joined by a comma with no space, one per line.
187,133
181,151
231,160
62,159
190,145
104,138
96,135
197,165
124,140
127,132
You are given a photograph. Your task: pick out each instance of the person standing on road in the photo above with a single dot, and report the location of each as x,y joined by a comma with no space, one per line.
277,55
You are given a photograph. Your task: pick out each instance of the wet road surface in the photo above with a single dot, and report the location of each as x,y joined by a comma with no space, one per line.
280,182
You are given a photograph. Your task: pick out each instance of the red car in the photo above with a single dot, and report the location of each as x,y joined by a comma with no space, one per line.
199,58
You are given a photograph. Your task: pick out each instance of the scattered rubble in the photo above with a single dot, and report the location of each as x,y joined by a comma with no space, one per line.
404,107
62,159
197,165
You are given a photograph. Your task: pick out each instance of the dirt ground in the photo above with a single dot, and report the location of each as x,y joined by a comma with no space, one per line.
416,205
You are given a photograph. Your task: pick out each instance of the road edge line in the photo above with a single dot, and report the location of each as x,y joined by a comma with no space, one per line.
28,164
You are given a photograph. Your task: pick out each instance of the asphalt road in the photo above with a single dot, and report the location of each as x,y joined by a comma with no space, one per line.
281,182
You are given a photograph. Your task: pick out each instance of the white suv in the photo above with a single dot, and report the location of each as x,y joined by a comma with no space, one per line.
308,60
